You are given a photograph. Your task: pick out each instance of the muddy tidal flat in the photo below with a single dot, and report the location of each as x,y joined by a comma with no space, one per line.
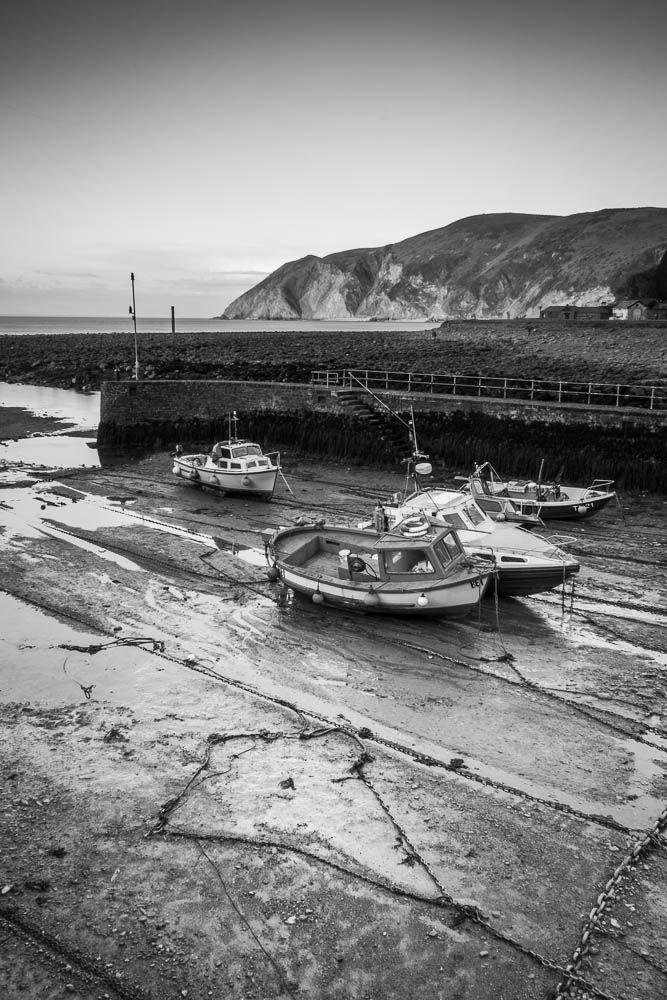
212,788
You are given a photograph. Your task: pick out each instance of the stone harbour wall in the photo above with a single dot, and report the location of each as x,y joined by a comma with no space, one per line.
575,443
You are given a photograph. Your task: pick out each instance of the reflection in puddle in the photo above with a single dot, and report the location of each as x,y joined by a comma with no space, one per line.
80,409
51,510
79,412
50,451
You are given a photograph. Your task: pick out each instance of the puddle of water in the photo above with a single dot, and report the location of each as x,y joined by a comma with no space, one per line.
43,510
58,450
50,451
77,408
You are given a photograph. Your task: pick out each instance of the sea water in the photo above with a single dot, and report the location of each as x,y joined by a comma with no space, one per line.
31,325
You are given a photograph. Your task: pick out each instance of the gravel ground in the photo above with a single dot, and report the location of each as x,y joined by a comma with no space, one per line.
603,352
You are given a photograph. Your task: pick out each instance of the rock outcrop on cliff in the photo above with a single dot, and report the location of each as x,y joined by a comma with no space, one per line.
482,267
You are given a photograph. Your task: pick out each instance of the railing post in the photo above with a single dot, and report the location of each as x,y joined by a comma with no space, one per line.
504,388
532,388
650,405
431,383
618,395
560,391
590,389
454,386
479,385
409,381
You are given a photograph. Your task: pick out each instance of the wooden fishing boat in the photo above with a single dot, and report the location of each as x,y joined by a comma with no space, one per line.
525,562
234,466
549,501
416,569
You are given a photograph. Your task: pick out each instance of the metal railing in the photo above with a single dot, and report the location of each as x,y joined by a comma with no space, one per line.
646,397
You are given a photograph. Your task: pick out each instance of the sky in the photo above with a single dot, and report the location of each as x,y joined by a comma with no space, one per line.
202,144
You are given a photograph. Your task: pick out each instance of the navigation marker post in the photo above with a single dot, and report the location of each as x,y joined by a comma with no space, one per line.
133,314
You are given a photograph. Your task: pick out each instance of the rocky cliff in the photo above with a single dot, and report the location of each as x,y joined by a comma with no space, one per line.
482,267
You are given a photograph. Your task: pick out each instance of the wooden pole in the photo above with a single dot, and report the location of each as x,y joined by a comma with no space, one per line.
133,310
173,320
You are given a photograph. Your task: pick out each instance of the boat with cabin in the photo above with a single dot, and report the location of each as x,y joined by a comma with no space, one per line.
549,501
235,466
525,562
409,570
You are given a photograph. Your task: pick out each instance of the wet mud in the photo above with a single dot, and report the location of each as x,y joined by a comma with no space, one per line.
212,787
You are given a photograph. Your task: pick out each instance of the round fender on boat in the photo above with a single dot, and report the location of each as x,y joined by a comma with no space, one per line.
501,516
423,468
272,573
317,598
582,508
414,527
371,599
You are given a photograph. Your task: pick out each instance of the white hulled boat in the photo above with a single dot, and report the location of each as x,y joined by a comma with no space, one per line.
525,562
235,466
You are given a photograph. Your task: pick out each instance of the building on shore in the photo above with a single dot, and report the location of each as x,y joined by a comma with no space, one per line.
638,309
572,312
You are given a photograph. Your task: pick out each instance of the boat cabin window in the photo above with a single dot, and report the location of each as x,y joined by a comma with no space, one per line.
490,505
240,452
223,452
447,549
236,465
451,517
474,514
408,561
254,449
479,487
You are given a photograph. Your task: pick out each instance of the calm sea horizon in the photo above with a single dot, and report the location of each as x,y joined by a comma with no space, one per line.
33,325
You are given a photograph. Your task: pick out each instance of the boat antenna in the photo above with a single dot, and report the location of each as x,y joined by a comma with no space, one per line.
232,416
413,432
133,314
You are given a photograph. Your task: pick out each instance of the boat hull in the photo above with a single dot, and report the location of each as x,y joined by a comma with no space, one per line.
456,601
526,581
567,510
259,483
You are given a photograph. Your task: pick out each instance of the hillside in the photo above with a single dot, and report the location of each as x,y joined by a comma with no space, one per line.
483,267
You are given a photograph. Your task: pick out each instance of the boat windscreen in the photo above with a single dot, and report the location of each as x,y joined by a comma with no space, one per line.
407,561
474,514
451,517
448,548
